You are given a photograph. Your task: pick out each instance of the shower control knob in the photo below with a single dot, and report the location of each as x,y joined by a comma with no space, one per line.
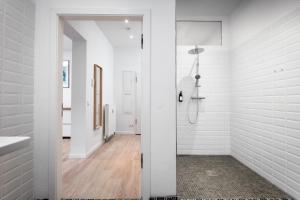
197,76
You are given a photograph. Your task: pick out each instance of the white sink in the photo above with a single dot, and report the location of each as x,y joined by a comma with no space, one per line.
10,144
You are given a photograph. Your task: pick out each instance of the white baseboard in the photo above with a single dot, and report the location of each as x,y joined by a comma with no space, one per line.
203,152
93,149
125,132
83,156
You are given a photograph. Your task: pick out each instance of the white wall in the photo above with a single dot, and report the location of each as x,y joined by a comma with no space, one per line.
210,135
16,96
211,8
127,59
265,96
252,16
163,121
98,51
78,148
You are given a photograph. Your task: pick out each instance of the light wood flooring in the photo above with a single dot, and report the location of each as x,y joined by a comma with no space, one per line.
112,172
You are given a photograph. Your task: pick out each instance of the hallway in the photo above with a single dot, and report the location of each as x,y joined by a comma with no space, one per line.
112,172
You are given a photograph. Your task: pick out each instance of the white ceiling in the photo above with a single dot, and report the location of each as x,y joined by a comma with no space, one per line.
118,32
198,8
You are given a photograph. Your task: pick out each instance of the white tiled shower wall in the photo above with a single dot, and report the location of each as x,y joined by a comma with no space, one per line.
16,95
210,135
265,119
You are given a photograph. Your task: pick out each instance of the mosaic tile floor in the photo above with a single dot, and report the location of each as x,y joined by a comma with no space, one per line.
221,177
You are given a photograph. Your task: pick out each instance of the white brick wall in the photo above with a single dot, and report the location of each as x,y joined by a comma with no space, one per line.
16,95
210,135
265,122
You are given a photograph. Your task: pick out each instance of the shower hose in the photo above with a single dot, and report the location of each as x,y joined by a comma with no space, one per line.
191,121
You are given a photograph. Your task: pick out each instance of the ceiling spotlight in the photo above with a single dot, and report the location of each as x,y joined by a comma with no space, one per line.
126,21
131,36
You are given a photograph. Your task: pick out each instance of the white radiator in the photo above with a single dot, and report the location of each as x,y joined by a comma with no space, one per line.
110,120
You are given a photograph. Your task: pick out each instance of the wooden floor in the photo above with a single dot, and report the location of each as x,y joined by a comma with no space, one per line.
112,172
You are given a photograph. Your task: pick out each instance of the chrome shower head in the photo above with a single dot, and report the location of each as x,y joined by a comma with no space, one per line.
196,51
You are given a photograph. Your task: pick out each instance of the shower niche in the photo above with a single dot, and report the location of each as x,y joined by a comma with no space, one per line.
203,88
193,39
203,81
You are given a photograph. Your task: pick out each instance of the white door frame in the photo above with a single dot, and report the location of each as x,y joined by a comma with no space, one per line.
55,93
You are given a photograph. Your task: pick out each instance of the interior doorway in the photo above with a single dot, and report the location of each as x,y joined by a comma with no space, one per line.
101,93
92,154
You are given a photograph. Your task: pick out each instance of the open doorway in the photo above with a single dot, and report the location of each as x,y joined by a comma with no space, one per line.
101,148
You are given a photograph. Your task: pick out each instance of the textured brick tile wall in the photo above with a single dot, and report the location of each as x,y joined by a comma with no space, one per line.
210,135
16,95
265,119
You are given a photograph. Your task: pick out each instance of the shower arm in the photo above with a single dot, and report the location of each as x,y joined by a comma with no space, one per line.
197,64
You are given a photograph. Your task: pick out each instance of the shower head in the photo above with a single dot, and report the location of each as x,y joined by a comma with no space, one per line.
196,51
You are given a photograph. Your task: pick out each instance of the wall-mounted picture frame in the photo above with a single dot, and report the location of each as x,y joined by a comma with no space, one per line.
66,74
98,102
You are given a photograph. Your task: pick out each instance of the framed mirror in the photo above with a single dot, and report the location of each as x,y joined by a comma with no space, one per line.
98,89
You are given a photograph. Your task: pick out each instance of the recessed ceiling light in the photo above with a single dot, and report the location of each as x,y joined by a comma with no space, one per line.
126,21
131,36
